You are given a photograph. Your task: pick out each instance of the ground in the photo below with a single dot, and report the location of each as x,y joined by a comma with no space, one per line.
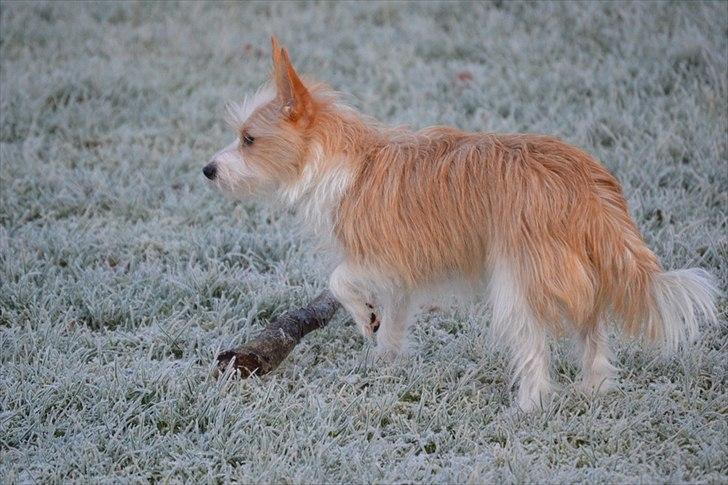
122,273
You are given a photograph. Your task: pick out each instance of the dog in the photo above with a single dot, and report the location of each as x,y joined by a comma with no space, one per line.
539,225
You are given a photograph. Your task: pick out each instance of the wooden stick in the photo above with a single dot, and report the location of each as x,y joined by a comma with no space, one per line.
266,351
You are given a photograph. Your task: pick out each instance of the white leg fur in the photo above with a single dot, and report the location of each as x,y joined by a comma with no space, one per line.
396,317
598,373
351,290
514,325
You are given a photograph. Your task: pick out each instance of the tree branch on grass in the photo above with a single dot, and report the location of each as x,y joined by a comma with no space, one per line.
266,351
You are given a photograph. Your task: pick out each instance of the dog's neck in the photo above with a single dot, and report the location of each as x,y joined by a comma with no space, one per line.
317,193
341,145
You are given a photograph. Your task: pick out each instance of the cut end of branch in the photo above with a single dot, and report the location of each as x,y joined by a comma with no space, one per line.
244,363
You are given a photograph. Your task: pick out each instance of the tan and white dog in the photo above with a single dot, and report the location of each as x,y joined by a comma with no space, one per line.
541,224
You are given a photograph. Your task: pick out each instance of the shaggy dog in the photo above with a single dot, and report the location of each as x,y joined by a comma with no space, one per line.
539,225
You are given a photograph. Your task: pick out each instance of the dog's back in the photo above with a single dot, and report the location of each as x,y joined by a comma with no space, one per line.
442,202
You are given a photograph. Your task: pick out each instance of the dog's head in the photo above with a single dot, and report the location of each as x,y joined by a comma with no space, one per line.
272,128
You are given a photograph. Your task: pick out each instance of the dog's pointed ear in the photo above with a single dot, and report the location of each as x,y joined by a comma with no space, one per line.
275,51
290,89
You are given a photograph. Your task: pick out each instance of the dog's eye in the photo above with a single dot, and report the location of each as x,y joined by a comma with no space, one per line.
247,139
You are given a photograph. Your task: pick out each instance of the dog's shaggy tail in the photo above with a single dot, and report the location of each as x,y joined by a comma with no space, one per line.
664,307
676,301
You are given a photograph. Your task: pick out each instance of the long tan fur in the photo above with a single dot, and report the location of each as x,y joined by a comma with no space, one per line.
541,219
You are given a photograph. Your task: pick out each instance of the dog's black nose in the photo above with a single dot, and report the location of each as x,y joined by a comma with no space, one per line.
210,170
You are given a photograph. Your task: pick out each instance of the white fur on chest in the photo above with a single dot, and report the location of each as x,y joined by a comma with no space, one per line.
317,194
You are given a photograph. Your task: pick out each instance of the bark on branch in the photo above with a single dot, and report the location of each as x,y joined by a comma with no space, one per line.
266,351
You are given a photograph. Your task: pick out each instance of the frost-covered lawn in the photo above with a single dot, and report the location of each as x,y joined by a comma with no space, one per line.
122,273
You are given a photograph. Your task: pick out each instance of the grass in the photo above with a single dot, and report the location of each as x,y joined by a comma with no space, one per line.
122,274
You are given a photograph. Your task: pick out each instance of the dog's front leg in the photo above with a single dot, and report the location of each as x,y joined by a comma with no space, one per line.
356,296
396,318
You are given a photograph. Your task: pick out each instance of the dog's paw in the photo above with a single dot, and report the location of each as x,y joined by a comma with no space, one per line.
388,354
535,398
374,321
394,348
597,385
367,319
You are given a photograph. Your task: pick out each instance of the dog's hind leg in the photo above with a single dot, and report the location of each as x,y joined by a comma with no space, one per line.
515,325
598,373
